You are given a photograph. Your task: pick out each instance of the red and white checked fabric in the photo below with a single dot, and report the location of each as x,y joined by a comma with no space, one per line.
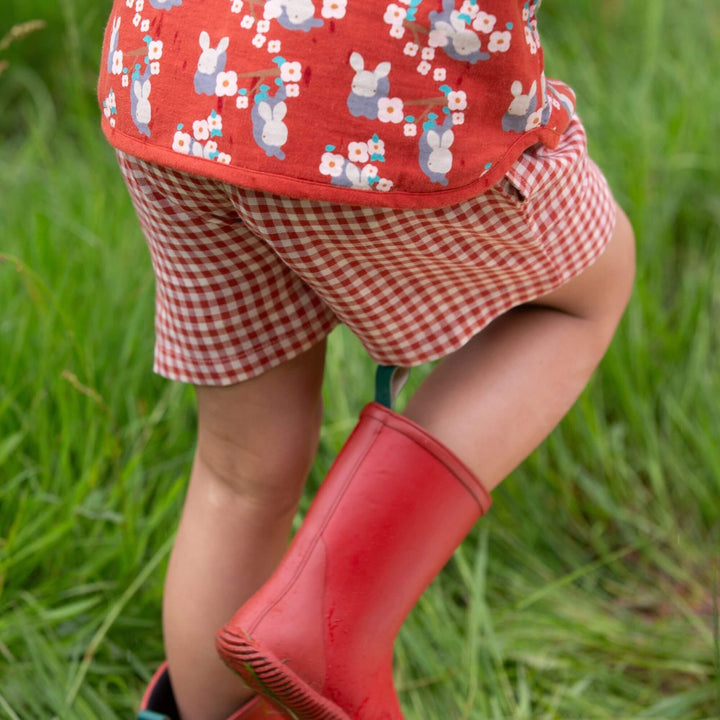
247,280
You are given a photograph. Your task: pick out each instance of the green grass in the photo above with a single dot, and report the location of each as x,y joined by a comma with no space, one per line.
591,589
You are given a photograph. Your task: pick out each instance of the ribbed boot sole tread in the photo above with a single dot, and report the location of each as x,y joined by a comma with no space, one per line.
275,680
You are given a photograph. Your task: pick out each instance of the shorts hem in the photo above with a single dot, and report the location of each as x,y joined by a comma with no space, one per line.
217,375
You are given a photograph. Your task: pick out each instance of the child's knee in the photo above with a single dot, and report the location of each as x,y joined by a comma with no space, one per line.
264,460
268,473
258,439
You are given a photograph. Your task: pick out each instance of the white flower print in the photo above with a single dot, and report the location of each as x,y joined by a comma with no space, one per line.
224,158
424,67
369,171
397,31
410,129
358,152
469,8
226,84
292,90
117,63
140,5
439,74
145,25
458,118
484,22
155,68
334,8
525,14
125,80
383,185
248,21
137,19
457,100
499,41
111,101
428,53
534,120
112,122
106,111
390,110
237,6
394,15
411,49
215,123
242,102
332,164
259,40
262,26
182,142
129,3
530,40
274,46
201,130
376,147
155,49
291,71
211,148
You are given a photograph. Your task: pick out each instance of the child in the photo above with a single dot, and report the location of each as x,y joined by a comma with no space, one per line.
401,167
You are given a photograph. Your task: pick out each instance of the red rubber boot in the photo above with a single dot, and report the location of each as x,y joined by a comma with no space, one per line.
317,639
158,703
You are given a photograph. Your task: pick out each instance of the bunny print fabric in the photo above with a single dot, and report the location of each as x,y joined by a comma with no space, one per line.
413,103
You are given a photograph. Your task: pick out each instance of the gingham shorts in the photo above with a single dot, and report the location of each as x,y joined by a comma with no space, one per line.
246,280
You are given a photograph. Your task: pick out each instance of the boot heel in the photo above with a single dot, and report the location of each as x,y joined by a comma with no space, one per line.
273,679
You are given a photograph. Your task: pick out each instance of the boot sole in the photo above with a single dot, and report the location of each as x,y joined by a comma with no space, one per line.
270,677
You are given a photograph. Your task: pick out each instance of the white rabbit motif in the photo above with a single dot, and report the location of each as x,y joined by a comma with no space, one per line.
273,9
450,32
274,132
365,83
298,14
165,4
298,11
521,104
210,57
440,160
143,109
464,41
114,42
359,179
115,32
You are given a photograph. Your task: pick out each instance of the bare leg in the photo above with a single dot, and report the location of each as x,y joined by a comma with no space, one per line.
256,444
497,398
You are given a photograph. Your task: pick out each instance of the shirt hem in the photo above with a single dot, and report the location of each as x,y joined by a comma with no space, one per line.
307,189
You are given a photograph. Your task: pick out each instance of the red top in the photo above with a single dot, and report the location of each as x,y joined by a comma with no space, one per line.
414,103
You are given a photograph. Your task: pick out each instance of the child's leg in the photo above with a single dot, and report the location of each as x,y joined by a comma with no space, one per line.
497,398
256,443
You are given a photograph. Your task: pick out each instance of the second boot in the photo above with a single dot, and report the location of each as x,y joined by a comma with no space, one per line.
158,702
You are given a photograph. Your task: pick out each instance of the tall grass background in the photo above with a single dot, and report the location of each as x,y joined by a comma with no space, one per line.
591,589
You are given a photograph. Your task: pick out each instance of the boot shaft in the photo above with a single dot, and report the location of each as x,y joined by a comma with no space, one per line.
393,508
